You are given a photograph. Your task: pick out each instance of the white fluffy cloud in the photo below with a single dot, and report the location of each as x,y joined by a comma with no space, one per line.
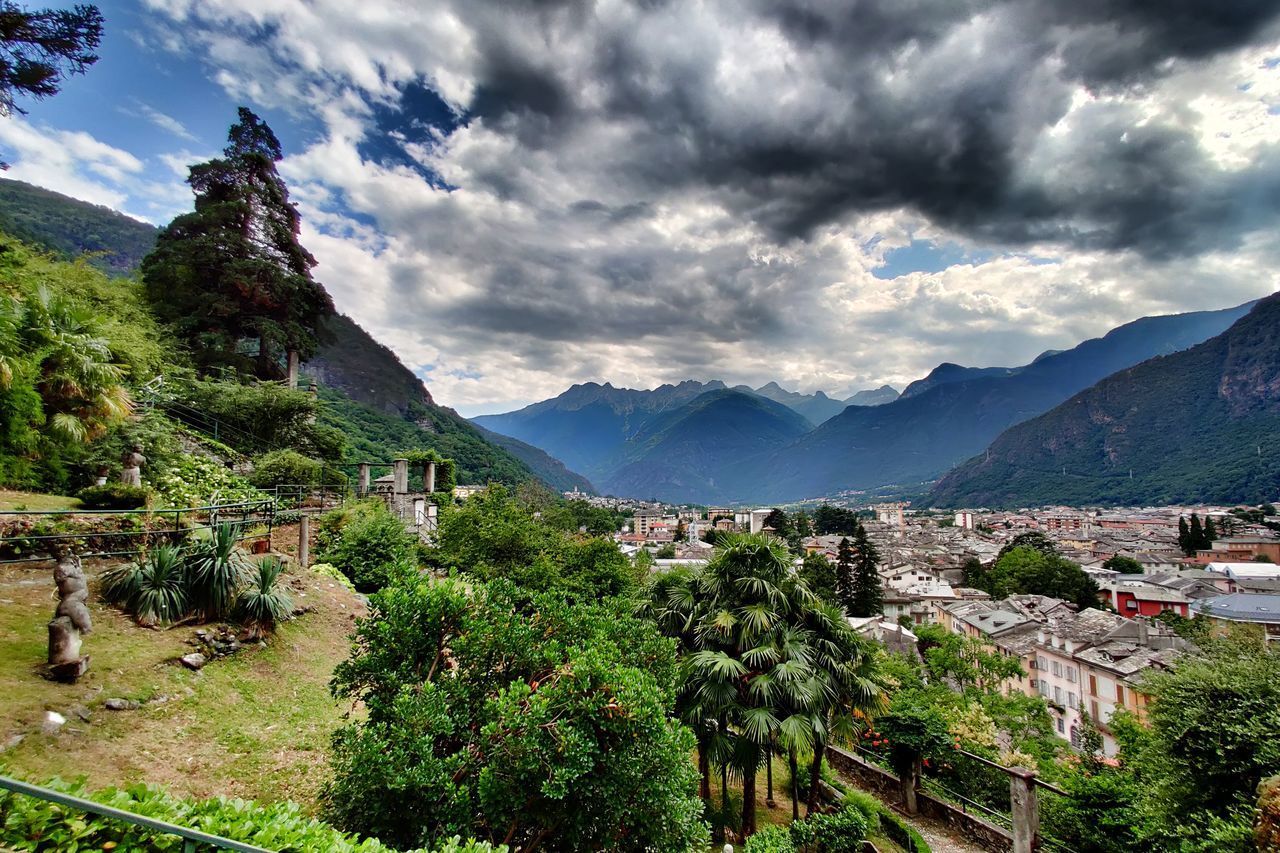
648,192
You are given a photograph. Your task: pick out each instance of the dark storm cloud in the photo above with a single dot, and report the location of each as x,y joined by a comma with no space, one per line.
934,106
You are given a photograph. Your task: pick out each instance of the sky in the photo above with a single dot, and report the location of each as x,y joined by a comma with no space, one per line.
519,195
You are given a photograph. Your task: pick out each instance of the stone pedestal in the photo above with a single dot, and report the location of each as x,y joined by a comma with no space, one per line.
363,487
429,478
400,476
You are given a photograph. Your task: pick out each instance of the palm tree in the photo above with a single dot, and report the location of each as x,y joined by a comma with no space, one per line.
79,384
764,662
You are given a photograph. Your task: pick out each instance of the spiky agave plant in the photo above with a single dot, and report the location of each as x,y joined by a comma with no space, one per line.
265,601
121,583
160,595
216,570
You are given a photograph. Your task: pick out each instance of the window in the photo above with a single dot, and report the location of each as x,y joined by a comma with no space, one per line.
1057,695
1120,695
1071,700
1093,711
1062,726
1041,664
1057,668
1071,674
1093,685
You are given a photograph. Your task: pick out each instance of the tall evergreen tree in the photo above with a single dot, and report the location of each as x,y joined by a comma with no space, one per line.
868,594
1184,537
1210,532
1197,535
844,576
39,48
234,269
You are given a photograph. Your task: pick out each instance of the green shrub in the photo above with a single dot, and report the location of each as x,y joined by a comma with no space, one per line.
286,467
369,545
328,570
153,589
30,824
770,839
216,568
265,601
114,496
200,481
840,832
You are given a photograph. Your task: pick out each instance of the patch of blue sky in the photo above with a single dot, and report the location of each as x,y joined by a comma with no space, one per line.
926,256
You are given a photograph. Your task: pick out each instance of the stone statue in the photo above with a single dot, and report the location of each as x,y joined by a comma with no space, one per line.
70,621
133,461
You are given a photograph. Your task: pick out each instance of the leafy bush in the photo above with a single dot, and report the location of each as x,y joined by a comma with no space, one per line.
367,544
216,568
286,467
114,496
330,571
200,481
30,824
153,589
770,839
839,832
265,601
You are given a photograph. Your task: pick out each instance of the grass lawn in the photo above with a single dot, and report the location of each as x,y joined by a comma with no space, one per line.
255,725
10,500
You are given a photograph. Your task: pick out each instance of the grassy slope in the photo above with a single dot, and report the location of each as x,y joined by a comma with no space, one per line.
255,725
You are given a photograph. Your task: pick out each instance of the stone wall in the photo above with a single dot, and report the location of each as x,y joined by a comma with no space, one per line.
888,787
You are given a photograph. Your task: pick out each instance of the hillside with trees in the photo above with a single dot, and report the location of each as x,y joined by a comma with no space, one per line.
111,241
1195,426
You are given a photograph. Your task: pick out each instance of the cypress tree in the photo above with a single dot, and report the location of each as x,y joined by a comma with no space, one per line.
1210,532
868,594
233,270
1196,537
844,576
1184,537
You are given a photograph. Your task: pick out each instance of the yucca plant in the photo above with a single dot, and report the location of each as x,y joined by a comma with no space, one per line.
216,570
265,601
152,588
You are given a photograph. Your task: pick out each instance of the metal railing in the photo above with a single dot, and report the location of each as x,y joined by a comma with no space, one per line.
252,519
191,837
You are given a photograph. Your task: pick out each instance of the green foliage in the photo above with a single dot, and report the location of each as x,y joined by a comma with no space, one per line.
286,467
1028,570
819,574
34,825
261,416
965,661
112,242
44,47
915,731
114,496
265,602
200,481
493,535
541,721
243,229
665,552
866,597
1122,564
367,544
153,589
828,520
770,839
842,831
216,569
572,516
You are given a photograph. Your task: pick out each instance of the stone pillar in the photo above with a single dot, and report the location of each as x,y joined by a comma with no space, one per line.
304,541
400,471
293,368
1025,806
363,488
910,784
429,478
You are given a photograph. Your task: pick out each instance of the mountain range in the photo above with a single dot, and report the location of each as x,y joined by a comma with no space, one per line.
937,422
1202,425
